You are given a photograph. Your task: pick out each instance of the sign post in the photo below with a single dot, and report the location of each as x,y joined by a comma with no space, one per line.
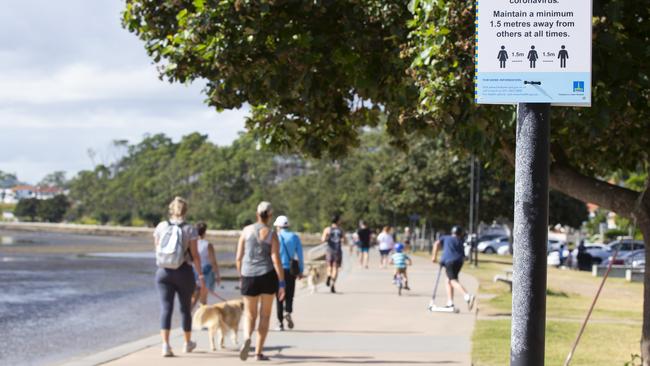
533,53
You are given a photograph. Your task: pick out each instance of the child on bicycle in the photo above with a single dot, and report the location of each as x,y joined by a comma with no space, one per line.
401,260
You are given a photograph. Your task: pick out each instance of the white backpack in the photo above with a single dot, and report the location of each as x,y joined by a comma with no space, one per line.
170,252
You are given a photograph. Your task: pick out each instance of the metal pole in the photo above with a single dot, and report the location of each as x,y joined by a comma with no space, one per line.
470,229
530,235
477,204
471,197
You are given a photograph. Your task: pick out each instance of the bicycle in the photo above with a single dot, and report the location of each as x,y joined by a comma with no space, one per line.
399,282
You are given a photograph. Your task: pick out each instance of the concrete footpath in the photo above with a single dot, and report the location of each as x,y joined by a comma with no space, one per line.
365,322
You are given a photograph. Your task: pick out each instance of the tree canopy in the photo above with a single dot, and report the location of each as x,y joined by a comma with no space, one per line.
314,72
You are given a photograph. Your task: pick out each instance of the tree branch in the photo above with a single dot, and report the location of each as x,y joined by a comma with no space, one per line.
568,180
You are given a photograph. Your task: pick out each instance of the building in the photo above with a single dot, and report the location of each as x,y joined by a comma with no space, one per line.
20,192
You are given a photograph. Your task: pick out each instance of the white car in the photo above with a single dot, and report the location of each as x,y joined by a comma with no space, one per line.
492,246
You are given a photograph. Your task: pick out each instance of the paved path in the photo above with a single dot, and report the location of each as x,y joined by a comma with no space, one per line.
364,323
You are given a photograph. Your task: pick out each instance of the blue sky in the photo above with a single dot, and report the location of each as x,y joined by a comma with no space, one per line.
72,79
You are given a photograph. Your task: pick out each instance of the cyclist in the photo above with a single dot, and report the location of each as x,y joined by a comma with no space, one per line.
401,261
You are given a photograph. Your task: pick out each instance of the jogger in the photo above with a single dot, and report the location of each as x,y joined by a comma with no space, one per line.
452,259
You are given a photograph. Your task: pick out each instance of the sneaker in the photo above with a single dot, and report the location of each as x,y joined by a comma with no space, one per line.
261,357
327,283
289,320
332,290
245,348
407,287
189,347
469,299
167,350
279,328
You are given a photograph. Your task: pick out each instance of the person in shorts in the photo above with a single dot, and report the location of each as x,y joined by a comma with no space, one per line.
334,237
400,260
210,266
453,256
385,242
262,277
365,236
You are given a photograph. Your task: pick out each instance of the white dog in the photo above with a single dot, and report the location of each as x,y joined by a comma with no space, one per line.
315,276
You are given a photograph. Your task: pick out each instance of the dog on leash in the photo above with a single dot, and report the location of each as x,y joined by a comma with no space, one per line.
220,318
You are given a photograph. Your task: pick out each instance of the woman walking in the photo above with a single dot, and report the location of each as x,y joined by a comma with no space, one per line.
175,243
386,243
262,276
210,268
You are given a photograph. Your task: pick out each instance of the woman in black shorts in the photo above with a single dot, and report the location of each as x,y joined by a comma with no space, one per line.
262,276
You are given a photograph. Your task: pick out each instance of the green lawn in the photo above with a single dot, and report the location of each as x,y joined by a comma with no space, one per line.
611,337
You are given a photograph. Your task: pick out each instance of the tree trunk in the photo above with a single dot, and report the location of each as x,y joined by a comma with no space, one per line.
642,215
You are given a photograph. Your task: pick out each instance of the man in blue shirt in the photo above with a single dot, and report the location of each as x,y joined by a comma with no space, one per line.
291,256
452,259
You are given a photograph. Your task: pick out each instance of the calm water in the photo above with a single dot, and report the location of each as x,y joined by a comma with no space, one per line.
56,304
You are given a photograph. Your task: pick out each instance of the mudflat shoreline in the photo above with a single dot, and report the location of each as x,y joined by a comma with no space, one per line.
220,236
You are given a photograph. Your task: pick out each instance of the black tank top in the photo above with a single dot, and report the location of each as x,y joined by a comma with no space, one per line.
334,239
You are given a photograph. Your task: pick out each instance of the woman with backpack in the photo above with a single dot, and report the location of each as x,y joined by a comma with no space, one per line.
259,266
176,247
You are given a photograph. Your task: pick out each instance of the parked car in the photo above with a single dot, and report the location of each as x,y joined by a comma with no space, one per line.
634,259
555,244
625,245
492,246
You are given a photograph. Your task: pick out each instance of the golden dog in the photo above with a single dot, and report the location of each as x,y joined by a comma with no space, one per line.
222,318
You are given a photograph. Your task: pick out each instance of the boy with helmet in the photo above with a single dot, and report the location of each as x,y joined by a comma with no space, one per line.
452,259
401,260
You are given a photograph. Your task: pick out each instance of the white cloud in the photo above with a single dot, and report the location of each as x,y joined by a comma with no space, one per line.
71,79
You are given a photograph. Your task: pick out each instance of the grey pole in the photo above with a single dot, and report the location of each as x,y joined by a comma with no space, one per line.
530,235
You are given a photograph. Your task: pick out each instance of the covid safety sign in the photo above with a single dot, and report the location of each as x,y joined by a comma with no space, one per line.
533,51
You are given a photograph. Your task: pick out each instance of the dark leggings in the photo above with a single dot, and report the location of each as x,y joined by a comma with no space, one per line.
288,296
169,282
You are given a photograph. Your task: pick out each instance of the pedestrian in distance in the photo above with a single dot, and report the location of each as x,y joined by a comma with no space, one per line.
408,239
334,237
386,242
400,260
210,269
293,265
452,259
365,237
262,277
175,243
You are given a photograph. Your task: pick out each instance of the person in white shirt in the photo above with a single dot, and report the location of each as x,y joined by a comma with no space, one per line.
386,243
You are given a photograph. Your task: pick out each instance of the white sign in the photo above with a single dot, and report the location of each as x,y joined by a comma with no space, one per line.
533,51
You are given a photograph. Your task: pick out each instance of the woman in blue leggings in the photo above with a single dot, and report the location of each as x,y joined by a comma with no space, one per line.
180,280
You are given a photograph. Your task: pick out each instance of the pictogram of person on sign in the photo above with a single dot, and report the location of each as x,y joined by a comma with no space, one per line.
532,56
502,57
563,55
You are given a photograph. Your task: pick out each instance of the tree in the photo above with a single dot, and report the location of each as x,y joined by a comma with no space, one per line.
8,180
315,75
53,209
54,179
27,208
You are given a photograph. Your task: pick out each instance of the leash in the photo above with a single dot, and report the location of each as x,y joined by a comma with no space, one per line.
216,295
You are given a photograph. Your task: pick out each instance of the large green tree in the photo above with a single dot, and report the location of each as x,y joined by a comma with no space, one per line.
316,72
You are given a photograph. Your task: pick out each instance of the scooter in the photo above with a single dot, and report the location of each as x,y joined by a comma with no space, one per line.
432,304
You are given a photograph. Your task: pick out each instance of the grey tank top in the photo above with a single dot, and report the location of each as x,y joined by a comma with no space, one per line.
334,239
257,252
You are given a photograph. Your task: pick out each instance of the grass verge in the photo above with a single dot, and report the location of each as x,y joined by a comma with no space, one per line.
611,337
